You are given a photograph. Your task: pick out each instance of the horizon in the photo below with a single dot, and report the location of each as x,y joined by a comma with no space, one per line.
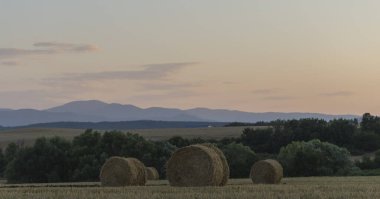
252,56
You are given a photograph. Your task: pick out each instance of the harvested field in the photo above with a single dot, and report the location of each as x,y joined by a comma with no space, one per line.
290,188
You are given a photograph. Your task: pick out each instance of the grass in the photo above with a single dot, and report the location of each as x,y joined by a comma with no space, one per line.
27,136
292,188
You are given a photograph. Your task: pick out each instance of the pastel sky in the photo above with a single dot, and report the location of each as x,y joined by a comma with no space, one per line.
249,55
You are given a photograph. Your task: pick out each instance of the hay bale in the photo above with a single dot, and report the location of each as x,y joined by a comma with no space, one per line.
196,165
266,172
119,171
226,168
152,173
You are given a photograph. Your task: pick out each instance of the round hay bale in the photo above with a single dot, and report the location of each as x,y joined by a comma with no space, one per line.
119,171
194,166
152,173
266,172
226,167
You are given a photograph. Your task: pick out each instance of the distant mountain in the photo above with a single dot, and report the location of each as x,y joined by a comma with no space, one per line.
97,111
118,112
31,116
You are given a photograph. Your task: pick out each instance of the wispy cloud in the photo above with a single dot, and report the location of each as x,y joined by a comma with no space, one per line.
278,97
148,72
153,81
168,86
266,91
273,94
338,94
66,47
46,48
229,82
9,63
162,96
25,98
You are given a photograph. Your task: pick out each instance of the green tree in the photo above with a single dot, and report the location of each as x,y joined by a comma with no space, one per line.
370,123
10,152
46,161
367,141
240,159
87,156
179,142
2,163
259,140
340,132
314,158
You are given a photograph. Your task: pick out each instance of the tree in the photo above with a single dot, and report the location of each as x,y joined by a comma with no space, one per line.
158,157
87,156
46,161
367,141
10,152
314,158
259,140
2,163
370,123
240,159
179,142
340,132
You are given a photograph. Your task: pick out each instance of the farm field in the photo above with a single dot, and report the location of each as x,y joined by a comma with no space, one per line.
27,136
291,188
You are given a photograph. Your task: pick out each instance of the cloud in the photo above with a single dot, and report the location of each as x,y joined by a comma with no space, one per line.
168,86
9,63
148,72
266,91
278,97
153,80
25,98
273,94
163,96
46,48
229,82
338,94
67,47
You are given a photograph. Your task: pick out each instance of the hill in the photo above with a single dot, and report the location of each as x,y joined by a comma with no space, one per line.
97,111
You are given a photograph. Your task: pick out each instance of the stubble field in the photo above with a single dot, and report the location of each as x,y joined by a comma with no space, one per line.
291,188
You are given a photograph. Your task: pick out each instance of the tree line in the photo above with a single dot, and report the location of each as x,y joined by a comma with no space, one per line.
305,147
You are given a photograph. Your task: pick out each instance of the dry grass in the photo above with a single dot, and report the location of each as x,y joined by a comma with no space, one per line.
292,188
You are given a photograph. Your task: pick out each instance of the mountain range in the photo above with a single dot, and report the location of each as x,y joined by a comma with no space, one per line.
97,111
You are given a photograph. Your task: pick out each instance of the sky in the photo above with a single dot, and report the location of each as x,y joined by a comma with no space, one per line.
249,55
